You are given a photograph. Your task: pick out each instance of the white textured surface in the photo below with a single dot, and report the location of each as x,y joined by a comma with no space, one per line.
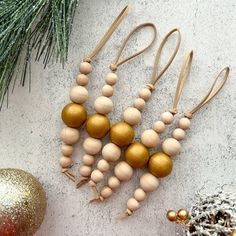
30,127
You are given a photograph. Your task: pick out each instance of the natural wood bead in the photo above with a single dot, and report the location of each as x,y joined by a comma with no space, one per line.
139,103
107,90
171,147
78,94
82,79
113,182
159,126
65,162
139,194
85,171
184,123
167,117
111,78
97,176
150,138
111,152
103,105
69,135
149,182
145,94
88,160
85,68
106,192
103,165
132,116
123,171
179,134
133,204
66,150
92,146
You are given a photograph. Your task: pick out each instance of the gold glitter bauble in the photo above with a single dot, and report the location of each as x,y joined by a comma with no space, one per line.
22,203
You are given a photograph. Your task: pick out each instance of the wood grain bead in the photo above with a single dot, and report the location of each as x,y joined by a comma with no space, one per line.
111,152
179,134
150,138
65,162
85,68
69,135
82,80
66,150
159,126
184,123
113,182
92,146
149,182
139,103
111,78
123,171
78,94
167,117
85,171
107,90
133,204
103,165
171,147
145,94
103,105
132,116
139,194
88,160
106,192
97,176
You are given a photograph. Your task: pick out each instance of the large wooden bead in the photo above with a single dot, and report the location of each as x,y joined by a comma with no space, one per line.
145,94
82,80
111,152
139,103
122,134
103,165
88,159
179,134
85,171
113,182
65,162
123,171
132,116
106,192
97,126
171,147
139,194
159,126
85,68
66,150
167,117
136,155
97,176
160,164
184,123
78,94
74,115
69,135
149,182
150,138
133,204
92,146
107,90
111,78
103,105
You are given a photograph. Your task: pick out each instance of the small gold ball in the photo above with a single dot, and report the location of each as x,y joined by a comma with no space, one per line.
136,155
160,164
121,134
97,126
74,115
182,215
171,215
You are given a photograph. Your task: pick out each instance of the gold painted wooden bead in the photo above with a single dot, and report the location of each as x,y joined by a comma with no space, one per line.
160,164
103,105
139,103
97,176
97,126
85,68
171,147
78,94
149,182
106,192
111,152
66,150
139,194
167,117
136,155
159,126
107,90
65,162
123,171
85,171
88,160
132,116
184,123
150,138
133,204
92,146
179,134
113,182
111,78
74,115
122,134
103,165
182,214
69,135
145,94
171,216
82,80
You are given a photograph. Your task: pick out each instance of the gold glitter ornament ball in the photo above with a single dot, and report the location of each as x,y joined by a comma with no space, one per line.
22,203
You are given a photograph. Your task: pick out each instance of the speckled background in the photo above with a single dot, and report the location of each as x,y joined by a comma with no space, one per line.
30,127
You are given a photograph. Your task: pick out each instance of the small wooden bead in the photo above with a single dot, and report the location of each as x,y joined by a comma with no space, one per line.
111,152
88,159
159,126
133,204
82,80
107,90
113,182
103,105
149,182
145,94
103,165
78,94
150,138
85,68
132,116
69,135
139,103
111,78
167,117
123,171
171,147
65,162
184,123
66,150
85,171
97,176
91,183
179,134
92,146
139,194
106,192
